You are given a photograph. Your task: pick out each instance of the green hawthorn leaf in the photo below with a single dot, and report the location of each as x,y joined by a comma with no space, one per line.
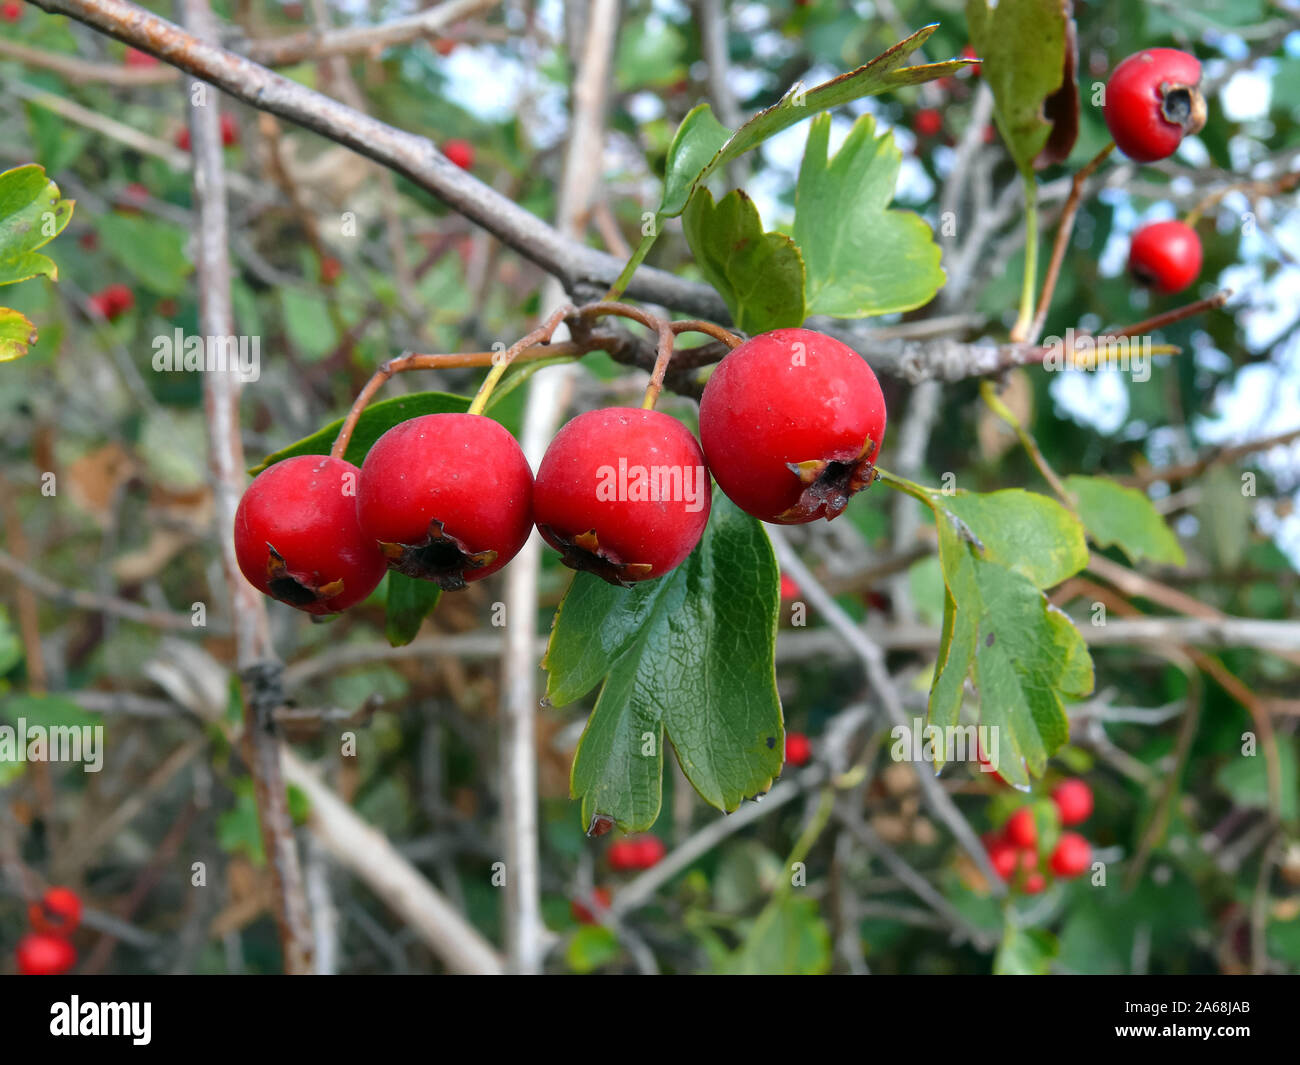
32,213
698,139
1126,518
1023,44
1025,952
147,249
17,334
375,420
759,275
861,257
690,655
409,602
790,938
1027,532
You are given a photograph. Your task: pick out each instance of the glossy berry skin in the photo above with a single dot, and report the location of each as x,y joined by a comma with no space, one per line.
1073,801
459,152
1003,855
1152,102
297,538
1165,256
447,498
1072,855
58,912
623,493
113,301
791,422
1021,830
927,123
623,854
41,954
650,851
582,913
798,749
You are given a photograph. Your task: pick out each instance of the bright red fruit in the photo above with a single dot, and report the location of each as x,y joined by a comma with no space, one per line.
183,138
791,423
927,123
297,538
789,589
623,854
459,152
446,497
1152,102
1021,830
582,913
113,301
1165,256
444,46
137,58
969,53
1073,801
623,493
330,268
1004,855
58,912
798,749
11,11
41,954
1034,883
1072,855
650,851
229,131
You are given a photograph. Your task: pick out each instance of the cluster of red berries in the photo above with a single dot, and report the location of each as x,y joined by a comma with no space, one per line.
47,950
1014,852
1153,100
229,133
629,854
790,422
113,301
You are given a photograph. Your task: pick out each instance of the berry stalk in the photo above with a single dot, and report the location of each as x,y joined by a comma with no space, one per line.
538,337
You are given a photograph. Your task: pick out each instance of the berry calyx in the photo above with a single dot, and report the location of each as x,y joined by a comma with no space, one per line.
297,538
1165,256
582,913
446,498
1153,101
1073,801
42,954
798,749
623,493
1021,830
1072,855
58,912
113,301
791,422
928,122
459,152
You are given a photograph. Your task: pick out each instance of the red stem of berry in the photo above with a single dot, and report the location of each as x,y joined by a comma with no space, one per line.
1189,310
539,336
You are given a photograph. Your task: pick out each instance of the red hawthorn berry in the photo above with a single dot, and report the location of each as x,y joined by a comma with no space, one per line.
623,854
444,46
41,954
650,851
791,422
113,301
89,240
297,538
927,123
137,58
1165,256
623,493
58,913
969,53
182,139
330,268
798,749
1073,800
446,497
582,913
1003,854
132,195
1072,855
229,131
11,11
789,589
1034,884
986,765
459,152
1021,830
1153,101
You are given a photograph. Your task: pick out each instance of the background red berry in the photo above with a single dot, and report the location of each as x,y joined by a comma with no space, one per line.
137,58
582,913
58,912
650,851
113,301
11,10
297,538
792,397
1166,256
927,123
632,536
183,138
1004,856
1152,102
449,494
798,749
459,152
41,954
1072,855
623,854
1073,800
1021,830
229,130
